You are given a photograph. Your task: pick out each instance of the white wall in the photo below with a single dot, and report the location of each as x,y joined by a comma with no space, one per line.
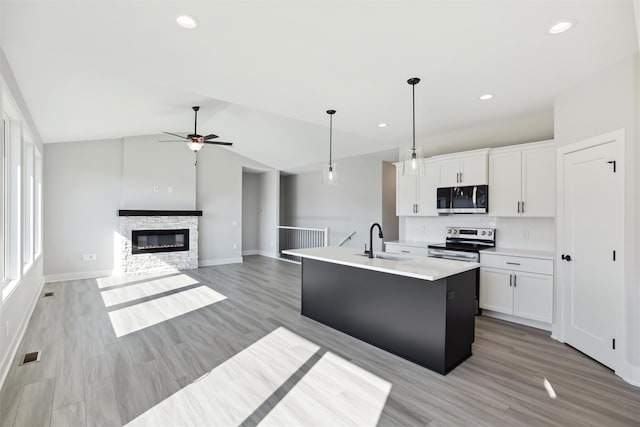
168,166
250,202
521,233
603,103
83,192
354,204
16,308
268,212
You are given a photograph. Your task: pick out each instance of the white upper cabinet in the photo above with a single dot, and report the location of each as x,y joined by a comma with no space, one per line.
463,169
406,193
416,195
522,180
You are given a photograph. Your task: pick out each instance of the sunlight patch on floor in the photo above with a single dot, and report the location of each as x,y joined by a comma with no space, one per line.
334,392
232,391
146,288
149,313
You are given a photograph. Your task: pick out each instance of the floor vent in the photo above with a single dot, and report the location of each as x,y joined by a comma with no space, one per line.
48,294
31,357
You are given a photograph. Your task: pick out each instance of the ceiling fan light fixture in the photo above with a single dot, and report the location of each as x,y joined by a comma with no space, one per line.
195,146
412,160
187,22
330,172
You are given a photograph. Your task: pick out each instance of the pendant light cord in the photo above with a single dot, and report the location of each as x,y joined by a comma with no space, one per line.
331,113
413,90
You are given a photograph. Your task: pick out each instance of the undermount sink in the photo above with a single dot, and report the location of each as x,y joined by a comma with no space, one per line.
386,255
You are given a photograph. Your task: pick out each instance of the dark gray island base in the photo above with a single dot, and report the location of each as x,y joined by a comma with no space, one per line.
430,323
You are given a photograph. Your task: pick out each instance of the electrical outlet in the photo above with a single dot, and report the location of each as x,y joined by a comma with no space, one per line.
170,189
235,246
89,257
155,189
234,223
6,329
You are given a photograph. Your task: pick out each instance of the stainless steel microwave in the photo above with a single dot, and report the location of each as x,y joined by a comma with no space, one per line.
473,199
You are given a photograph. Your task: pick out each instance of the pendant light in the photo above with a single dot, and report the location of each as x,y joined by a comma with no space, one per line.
412,160
330,172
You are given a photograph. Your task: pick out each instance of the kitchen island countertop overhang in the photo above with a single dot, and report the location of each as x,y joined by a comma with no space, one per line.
417,267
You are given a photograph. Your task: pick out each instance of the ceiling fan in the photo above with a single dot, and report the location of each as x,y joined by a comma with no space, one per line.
196,141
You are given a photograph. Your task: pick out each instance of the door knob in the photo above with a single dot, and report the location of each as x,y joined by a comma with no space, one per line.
566,257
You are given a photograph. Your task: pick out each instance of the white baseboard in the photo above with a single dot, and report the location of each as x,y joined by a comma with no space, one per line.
218,261
49,278
516,319
250,252
631,375
268,254
5,365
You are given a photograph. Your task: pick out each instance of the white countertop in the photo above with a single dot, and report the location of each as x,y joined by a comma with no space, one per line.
520,252
418,267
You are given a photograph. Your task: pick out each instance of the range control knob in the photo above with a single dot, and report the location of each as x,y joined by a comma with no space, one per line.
489,232
484,232
455,231
449,231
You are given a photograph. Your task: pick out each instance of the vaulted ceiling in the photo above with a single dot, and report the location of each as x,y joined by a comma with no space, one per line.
265,71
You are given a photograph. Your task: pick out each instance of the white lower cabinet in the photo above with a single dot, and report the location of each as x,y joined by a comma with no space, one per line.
507,287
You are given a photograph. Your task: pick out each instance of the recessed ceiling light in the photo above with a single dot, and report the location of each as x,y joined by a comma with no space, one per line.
185,21
382,125
486,96
562,26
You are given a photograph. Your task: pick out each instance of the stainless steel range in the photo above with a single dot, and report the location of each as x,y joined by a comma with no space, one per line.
465,244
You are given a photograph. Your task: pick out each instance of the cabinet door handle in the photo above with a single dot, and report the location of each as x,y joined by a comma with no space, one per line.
523,206
515,280
417,208
510,280
406,252
518,207
513,263
461,179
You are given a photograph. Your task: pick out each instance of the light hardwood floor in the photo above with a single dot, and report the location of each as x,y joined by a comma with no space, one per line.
249,358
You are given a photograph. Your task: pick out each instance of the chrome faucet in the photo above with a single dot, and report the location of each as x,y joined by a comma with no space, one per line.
375,224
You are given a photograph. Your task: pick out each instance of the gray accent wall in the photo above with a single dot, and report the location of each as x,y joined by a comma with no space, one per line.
351,206
85,185
82,195
250,203
158,175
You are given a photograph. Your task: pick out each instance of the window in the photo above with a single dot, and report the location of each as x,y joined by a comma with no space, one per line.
37,241
28,207
4,188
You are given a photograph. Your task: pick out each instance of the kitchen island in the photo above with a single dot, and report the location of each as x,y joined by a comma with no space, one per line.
421,309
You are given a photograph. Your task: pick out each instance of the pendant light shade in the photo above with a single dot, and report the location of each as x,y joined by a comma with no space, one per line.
330,172
412,160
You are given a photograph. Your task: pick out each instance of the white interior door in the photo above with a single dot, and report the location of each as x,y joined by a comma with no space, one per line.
592,227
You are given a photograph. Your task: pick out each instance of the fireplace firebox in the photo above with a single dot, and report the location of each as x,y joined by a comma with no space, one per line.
150,241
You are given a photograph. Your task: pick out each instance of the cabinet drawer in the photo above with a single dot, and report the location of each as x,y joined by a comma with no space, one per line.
532,265
402,249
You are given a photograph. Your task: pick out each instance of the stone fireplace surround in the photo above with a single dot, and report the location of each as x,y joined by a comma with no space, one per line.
158,262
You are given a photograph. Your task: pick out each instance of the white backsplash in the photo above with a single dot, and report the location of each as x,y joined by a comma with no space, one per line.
519,233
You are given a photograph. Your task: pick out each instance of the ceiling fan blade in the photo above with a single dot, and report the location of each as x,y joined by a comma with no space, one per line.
176,135
218,142
172,141
211,136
